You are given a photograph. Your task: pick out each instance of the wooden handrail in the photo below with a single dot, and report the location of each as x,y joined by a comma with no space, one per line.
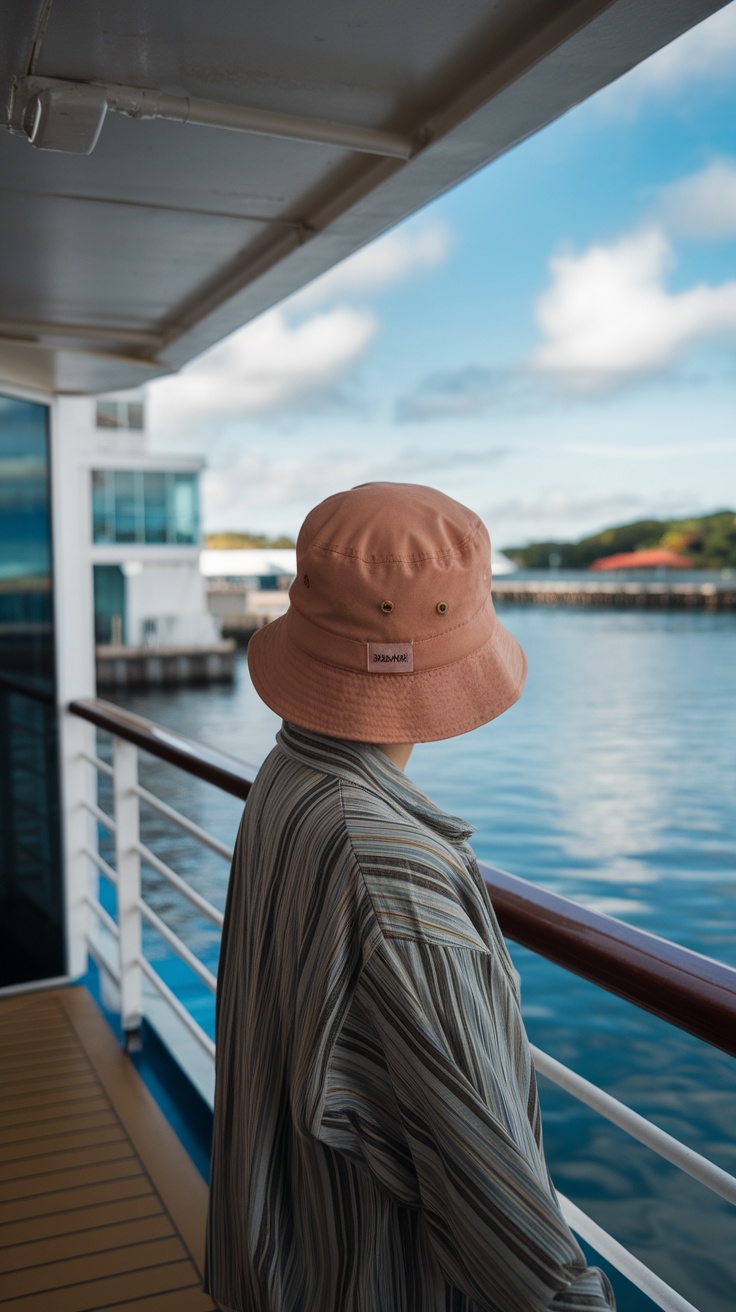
225,772
693,992
689,990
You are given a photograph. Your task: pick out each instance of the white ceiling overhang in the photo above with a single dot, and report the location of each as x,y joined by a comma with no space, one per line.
342,118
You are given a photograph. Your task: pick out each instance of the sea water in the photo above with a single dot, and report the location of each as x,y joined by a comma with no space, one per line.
612,781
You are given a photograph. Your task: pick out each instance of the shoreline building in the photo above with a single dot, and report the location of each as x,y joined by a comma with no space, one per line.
144,528
247,586
656,558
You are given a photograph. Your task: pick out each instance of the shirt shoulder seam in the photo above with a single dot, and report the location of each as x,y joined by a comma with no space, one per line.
388,935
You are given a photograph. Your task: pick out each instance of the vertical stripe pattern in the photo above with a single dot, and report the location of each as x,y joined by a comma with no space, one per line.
377,1142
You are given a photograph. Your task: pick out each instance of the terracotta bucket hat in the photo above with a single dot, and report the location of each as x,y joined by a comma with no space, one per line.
390,635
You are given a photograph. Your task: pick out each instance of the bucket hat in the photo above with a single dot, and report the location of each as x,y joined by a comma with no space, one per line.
390,635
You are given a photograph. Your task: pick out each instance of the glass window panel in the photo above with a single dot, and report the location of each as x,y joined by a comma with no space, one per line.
126,509
154,506
31,906
109,595
103,528
185,506
107,414
26,596
120,414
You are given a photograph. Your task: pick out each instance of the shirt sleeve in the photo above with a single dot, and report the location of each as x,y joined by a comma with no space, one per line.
460,1072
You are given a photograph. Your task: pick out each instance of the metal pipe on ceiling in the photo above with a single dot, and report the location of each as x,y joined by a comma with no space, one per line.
143,103
56,114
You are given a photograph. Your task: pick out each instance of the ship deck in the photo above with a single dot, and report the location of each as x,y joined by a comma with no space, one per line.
100,1206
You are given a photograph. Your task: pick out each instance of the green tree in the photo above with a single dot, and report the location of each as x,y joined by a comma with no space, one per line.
707,541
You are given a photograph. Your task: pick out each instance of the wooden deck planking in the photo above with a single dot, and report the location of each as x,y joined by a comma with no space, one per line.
91,1239
59,1125
95,1102
48,1183
26,1149
52,1083
100,1207
84,1196
78,1220
89,1154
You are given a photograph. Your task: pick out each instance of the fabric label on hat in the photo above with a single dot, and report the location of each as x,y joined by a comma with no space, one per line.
390,657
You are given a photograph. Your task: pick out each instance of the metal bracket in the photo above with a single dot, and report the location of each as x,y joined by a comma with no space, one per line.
132,1041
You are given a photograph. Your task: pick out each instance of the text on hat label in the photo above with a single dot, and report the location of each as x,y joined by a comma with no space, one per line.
390,657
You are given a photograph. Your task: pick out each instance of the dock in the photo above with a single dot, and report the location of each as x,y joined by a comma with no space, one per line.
157,667
642,595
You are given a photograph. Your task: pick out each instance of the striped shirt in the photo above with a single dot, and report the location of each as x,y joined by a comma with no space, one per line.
377,1143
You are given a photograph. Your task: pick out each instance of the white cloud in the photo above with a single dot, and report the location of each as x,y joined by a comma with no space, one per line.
389,260
570,512
237,494
704,203
668,451
269,365
295,354
705,53
246,491
551,509
607,316
449,394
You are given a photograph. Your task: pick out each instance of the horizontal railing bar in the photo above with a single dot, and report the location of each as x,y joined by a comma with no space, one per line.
214,767
640,1275
102,960
102,865
683,987
99,764
177,1007
178,947
102,915
189,827
103,818
700,1168
180,884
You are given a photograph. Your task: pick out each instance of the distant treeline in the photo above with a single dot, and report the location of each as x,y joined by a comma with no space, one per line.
709,542
237,541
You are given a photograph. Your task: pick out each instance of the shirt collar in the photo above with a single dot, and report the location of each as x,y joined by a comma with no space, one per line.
366,765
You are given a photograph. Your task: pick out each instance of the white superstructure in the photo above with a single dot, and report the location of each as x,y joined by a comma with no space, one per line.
142,526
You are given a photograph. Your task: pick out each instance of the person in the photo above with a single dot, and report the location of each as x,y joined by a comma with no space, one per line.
377,1143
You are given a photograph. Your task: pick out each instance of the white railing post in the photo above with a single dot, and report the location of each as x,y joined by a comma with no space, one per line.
75,662
127,860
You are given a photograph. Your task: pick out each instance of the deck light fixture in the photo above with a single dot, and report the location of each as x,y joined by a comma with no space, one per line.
66,117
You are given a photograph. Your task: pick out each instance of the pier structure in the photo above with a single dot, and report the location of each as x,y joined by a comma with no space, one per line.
157,667
597,592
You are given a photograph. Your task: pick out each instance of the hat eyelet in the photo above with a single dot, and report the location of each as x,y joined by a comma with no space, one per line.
387,607
306,580
441,607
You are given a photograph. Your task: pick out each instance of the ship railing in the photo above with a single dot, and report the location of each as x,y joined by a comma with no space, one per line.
684,988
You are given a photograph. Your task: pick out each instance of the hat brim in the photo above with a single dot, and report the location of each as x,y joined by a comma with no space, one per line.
424,706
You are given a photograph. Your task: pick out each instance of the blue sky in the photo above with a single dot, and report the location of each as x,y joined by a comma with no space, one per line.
553,342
